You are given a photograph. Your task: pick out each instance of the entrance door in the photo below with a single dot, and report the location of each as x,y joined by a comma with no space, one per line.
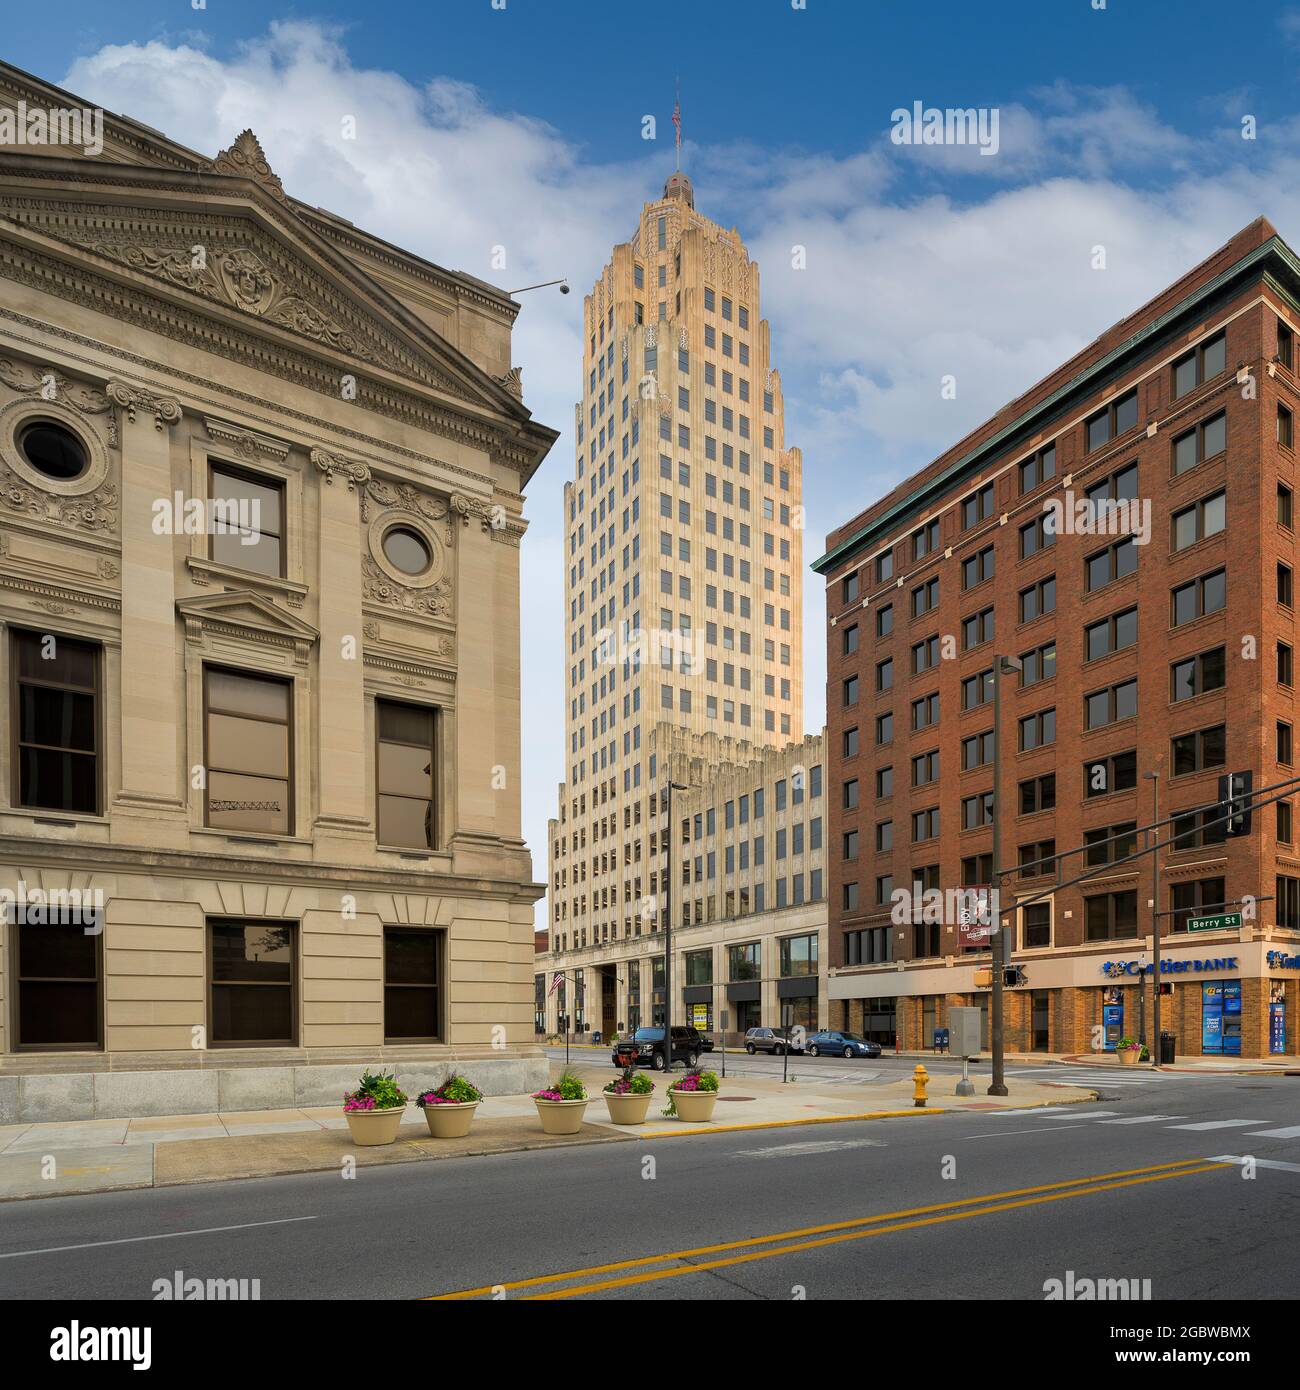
608,1003
1038,1020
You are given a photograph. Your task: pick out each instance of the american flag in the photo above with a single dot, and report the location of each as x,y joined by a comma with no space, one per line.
556,981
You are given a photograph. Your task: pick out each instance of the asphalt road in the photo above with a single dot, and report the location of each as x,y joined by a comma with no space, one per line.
939,1207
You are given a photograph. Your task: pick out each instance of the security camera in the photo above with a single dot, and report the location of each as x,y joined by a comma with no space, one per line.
564,287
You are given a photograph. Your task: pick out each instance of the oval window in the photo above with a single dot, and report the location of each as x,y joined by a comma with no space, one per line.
53,449
407,551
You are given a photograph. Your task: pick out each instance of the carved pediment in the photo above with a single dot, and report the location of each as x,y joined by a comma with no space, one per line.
235,262
246,614
232,263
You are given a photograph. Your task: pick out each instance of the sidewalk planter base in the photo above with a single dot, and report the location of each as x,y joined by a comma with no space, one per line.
695,1106
628,1109
450,1121
1130,1057
560,1116
375,1126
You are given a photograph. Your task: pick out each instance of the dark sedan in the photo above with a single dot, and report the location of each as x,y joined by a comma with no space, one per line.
847,1045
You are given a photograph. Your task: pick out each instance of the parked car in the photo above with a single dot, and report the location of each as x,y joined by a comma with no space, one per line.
774,1040
646,1048
841,1044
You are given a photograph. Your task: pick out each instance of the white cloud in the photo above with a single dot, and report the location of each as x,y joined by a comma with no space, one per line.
915,270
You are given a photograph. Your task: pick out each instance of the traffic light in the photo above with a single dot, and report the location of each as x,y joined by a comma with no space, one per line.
1235,790
1013,975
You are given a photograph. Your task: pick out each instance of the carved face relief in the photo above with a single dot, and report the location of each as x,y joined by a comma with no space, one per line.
248,280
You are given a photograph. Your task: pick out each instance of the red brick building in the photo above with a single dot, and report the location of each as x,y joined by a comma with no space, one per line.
1125,530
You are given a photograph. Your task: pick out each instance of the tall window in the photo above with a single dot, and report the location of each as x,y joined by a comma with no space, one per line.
404,775
798,955
413,984
58,987
256,506
252,970
56,721
248,735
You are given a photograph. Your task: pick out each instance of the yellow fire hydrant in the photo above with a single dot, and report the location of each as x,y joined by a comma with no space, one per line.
920,1076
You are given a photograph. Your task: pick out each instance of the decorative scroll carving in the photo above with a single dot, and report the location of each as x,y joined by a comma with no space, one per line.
164,409
513,381
51,385
245,159
330,464
403,497
93,511
493,519
433,601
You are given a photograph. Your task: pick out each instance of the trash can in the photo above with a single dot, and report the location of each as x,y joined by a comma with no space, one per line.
595,1037
1167,1041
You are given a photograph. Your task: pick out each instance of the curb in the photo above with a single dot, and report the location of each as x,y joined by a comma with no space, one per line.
786,1124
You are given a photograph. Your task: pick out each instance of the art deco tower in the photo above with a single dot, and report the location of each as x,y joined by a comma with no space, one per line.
683,556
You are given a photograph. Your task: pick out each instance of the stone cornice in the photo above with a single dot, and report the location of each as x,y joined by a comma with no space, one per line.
86,857
246,443
56,598
199,384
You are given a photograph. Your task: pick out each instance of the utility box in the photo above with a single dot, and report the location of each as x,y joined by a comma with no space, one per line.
964,1032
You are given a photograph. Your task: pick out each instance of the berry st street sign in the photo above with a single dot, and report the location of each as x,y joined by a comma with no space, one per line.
1222,922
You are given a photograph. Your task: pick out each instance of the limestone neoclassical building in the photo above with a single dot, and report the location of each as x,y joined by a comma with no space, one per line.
260,517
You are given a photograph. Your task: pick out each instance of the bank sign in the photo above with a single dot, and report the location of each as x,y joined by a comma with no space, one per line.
1279,960
1115,968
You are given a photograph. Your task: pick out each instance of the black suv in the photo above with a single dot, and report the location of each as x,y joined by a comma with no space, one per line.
646,1047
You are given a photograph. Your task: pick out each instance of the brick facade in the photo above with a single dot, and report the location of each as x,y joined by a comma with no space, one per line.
1185,414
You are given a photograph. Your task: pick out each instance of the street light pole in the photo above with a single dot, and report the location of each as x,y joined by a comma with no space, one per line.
668,931
1154,779
997,1023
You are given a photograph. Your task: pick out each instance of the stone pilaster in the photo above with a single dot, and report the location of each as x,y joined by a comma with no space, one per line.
343,822
151,786
487,819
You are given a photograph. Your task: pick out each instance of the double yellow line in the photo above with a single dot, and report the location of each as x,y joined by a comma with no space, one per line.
738,1252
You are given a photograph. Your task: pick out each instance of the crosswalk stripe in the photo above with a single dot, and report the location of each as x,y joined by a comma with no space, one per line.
1290,1132
1258,1162
1058,1112
1144,1120
1219,1124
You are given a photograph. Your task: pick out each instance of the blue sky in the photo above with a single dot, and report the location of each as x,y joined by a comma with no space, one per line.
1120,127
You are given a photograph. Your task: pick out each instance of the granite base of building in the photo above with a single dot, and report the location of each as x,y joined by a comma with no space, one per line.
41,1090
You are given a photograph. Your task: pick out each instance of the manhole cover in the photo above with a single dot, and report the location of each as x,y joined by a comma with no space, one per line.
735,1097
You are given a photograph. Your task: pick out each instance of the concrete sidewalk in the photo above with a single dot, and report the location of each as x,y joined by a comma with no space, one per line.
41,1160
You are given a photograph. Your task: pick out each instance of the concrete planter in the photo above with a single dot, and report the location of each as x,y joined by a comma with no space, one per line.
695,1106
375,1126
628,1109
560,1116
1130,1056
450,1121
